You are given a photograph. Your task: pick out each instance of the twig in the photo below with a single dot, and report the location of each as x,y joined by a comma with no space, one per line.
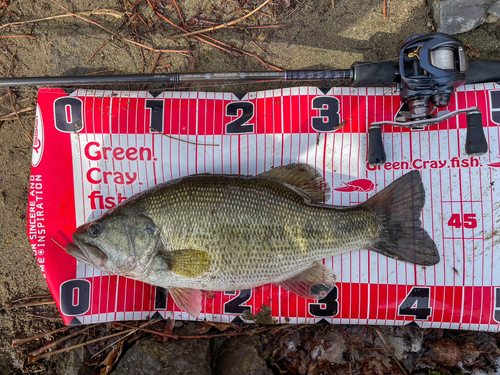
387,332
220,26
25,298
385,9
258,27
180,15
246,10
62,339
107,41
155,63
45,317
18,36
13,114
390,351
177,337
182,140
104,12
196,37
11,65
19,342
259,47
19,119
163,334
3,97
296,9
267,65
333,4
127,335
30,304
116,35
101,71
32,359
232,53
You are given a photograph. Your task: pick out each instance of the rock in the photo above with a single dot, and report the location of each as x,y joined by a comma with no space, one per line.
495,9
241,355
73,362
181,357
330,347
445,352
459,16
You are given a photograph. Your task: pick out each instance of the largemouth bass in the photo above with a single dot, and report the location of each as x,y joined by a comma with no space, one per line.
225,232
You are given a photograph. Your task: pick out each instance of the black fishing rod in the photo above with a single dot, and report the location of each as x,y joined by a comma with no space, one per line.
430,67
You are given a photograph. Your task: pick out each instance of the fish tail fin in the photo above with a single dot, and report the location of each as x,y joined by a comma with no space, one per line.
398,208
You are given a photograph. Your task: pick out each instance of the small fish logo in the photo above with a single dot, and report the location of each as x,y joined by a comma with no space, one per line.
359,186
38,139
494,165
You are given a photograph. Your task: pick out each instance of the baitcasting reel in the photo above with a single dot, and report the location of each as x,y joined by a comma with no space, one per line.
431,66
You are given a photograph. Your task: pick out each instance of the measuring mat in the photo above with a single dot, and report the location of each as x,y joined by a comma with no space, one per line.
94,149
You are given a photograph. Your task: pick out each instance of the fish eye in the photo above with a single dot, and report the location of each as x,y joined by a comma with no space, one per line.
94,230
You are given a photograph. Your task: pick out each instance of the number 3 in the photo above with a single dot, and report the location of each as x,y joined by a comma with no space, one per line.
329,117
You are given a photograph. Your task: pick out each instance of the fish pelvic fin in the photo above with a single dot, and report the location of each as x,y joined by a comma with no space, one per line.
397,210
313,283
187,299
302,178
187,263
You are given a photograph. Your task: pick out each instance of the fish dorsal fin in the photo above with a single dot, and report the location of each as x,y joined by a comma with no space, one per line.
187,263
313,283
302,178
187,299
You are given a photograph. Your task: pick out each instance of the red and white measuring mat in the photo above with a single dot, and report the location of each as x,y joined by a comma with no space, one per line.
94,149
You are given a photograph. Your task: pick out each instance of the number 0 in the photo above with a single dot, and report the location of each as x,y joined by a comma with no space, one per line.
75,297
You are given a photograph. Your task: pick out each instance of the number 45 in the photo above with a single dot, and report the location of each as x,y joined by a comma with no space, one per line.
466,220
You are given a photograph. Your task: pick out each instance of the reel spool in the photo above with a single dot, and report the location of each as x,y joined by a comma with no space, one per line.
431,66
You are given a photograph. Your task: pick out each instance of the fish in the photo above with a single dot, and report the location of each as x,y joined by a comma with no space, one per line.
210,232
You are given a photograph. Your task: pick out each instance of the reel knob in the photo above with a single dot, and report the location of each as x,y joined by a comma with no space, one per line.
475,141
376,152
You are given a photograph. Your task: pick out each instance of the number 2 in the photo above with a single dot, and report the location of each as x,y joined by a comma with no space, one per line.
234,306
240,125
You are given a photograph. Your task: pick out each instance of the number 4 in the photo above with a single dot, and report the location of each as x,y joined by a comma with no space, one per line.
417,303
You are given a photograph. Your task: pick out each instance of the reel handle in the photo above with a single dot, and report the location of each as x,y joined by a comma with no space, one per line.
475,141
376,152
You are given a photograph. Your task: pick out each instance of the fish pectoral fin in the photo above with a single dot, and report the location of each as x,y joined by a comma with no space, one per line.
302,178
313,283
187,263
187,299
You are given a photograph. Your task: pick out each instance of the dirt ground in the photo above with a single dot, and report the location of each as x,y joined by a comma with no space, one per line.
318,34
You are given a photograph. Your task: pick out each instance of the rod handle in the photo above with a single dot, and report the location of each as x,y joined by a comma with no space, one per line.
377,74
475,141
376,152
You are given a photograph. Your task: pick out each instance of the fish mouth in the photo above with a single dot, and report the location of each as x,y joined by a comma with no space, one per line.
86,253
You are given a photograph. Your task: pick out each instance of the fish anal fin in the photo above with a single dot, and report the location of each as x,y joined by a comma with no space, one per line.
313,283
187,263
187,299
303,178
